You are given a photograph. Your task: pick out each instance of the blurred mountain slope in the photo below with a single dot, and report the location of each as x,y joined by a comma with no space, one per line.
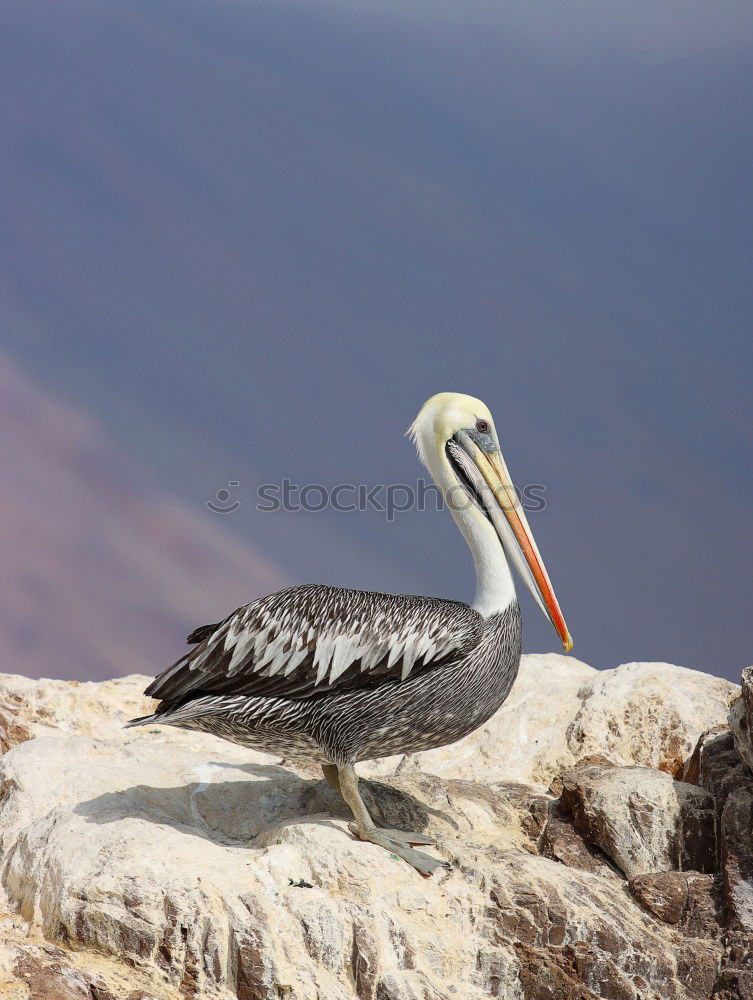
102,573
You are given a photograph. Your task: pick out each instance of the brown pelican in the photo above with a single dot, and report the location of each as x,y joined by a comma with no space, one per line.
335,676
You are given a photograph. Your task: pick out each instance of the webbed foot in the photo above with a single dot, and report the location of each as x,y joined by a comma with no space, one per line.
407,836
397,842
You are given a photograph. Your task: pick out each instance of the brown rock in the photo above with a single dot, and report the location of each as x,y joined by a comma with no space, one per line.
741,718
719,765
692,769
721,770
737,859
672,765
734,984
665,894
688,899
12,730
543,914
591,758
51,980
698,967
561,842
702,916
44,972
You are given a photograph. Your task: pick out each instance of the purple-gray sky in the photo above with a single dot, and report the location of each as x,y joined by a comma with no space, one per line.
252,238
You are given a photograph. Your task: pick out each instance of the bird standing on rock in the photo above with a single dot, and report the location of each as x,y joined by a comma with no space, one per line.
335,676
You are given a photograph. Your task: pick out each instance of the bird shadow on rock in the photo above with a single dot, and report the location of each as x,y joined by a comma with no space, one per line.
236,813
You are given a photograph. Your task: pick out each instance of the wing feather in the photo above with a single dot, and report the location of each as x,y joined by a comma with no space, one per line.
306,641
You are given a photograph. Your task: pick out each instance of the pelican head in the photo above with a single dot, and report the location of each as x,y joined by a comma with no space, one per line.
456,440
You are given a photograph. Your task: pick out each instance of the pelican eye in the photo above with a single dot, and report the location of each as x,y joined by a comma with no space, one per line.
482,426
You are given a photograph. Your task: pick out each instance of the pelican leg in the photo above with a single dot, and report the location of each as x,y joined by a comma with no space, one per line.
395,841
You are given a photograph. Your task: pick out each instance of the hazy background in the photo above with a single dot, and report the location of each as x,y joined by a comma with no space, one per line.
246,240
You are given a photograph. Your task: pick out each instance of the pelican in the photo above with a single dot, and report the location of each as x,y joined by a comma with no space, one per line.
335,676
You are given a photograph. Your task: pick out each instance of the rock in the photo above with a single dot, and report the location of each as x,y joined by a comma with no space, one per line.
722,771
741,718
592,758
31,708
665,894
724,774
642,819
736,828
688,899
716,764
734,984
195,871
691,771
569,950
649,714
154,863
33,969
562,842
149,854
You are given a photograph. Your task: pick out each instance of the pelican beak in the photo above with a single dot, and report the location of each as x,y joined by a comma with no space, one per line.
506,513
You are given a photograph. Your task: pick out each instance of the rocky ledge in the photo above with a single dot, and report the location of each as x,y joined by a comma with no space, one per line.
599,832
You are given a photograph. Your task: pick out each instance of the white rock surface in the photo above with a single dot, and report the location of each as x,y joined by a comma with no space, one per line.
144,853
185,867
650,714
31,708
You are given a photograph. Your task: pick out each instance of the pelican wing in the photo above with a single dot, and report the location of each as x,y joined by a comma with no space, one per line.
309,640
